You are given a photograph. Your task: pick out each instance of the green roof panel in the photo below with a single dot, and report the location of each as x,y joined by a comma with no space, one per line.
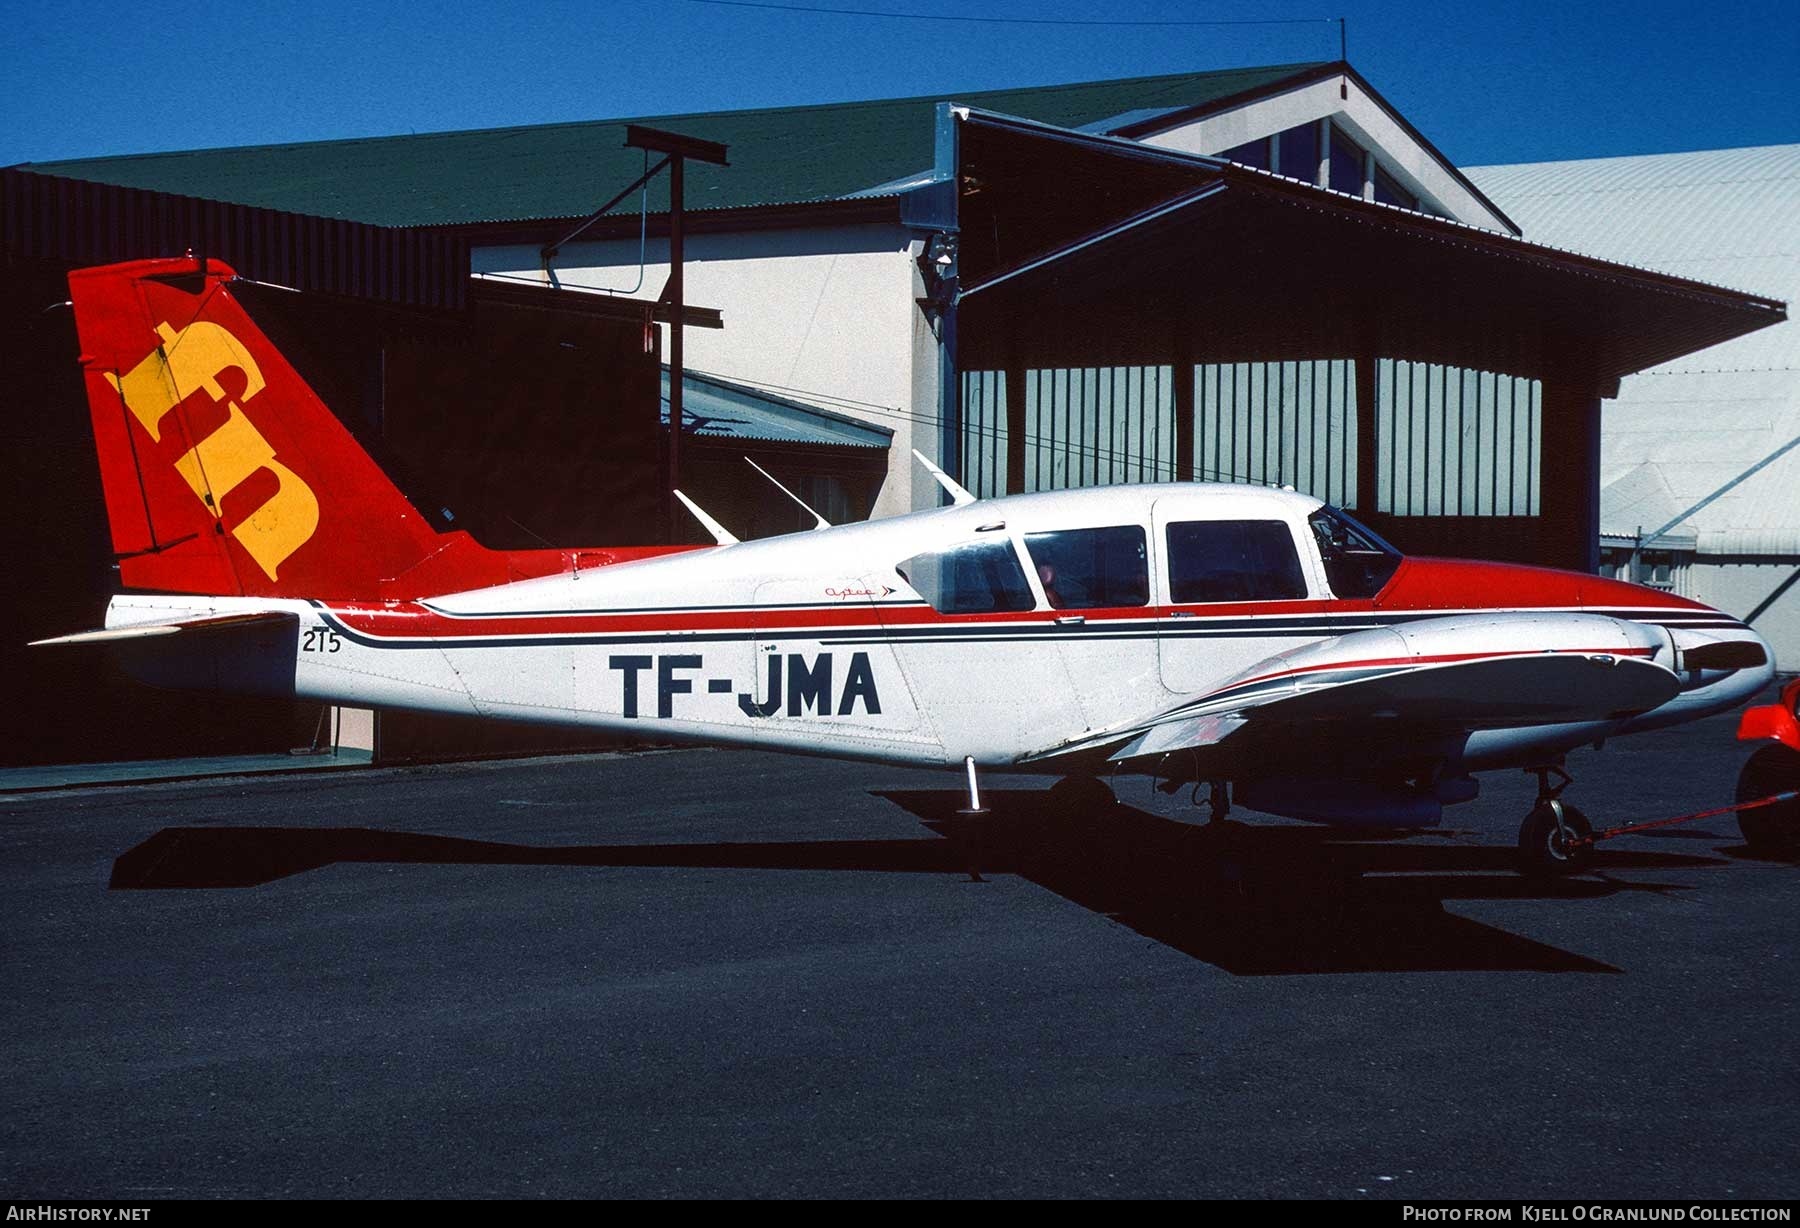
781,156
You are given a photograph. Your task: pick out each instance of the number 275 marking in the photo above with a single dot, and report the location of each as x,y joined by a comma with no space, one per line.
320,639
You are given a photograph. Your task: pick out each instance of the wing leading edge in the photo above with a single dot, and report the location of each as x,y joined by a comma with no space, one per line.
1435,676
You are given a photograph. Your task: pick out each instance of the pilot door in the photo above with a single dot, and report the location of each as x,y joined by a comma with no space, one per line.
1097,581
1237,592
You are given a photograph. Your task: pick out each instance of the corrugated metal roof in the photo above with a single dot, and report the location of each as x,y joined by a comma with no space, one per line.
780,156
1642,499
715,408
1727,216
75,222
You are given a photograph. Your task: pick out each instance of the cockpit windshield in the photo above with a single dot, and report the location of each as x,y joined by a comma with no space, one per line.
1358,563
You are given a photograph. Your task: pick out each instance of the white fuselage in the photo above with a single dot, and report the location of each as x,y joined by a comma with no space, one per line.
815,642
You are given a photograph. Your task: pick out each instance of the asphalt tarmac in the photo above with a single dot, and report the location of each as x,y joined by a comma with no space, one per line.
724,973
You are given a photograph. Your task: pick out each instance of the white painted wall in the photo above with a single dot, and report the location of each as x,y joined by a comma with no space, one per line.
824,315
830,314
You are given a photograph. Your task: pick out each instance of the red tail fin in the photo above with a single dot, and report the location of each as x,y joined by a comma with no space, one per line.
225,474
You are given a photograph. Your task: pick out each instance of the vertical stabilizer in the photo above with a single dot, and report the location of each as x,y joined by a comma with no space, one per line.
223,471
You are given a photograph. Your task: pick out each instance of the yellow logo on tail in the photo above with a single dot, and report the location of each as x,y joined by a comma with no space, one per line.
190,359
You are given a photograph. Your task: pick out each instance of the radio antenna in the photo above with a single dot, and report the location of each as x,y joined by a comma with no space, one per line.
712,526
822,522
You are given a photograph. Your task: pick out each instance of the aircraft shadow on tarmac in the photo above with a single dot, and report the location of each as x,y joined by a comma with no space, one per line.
1252,900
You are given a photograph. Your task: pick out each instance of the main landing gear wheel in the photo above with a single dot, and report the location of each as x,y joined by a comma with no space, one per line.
1550,840
1771,831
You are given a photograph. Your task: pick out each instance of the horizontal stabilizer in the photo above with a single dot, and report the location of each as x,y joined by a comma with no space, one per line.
114,635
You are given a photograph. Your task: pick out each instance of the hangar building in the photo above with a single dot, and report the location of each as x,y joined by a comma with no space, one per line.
1699,457
1260,275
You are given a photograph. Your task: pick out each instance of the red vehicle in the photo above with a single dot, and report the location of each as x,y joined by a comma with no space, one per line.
1775,769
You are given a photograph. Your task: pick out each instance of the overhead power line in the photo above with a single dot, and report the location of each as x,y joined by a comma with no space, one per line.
1014,21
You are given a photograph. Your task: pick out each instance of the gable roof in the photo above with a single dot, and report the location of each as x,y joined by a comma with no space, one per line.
1353,97
781,156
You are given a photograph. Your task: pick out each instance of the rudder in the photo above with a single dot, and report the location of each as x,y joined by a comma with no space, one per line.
224,473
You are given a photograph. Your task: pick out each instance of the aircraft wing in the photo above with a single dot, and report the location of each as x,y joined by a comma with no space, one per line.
1434,676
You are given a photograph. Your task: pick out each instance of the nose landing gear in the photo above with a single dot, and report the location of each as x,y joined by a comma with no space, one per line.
1556,838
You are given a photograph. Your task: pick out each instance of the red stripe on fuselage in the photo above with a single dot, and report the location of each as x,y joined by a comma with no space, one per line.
1439,659
415,620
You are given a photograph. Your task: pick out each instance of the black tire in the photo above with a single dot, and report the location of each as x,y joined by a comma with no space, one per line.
1543,852
1771,831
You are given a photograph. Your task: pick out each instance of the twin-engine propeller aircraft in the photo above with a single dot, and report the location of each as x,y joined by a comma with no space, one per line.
1251,639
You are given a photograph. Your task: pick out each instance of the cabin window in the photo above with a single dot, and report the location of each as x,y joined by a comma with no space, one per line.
1233,560
1358,563
977,578
1090,569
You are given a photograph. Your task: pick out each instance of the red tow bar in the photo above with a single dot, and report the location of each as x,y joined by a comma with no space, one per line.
1774,799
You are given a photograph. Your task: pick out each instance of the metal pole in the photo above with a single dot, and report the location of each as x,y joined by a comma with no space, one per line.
550,249
677,177
679,149
950,399
975,806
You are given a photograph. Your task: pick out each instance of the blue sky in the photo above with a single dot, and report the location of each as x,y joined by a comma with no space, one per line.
1487,82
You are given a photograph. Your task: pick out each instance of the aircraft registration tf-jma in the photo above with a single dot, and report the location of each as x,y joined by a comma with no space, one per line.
1251,639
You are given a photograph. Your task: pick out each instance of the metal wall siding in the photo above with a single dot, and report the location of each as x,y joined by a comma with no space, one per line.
1095,426
1455,442
984,434
79,223
1084,426
1278,423
1449,441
